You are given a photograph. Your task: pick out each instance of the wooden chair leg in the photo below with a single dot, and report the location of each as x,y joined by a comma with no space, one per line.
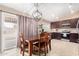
50,44
39,51
45,53
45,50
22,53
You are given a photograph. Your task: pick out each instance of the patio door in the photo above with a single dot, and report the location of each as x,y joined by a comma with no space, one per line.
9,31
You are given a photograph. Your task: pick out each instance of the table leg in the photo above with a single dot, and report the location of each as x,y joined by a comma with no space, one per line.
30,48
50,44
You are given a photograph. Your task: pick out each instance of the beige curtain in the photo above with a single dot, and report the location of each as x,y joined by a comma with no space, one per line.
27,26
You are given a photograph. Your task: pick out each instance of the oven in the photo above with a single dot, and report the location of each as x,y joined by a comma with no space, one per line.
65,34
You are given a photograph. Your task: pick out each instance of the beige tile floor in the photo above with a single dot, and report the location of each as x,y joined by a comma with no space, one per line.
59,48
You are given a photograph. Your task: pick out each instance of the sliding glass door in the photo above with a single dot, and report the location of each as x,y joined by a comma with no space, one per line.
9,31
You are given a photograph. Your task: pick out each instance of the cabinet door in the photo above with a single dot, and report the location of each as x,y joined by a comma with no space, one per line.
65,24
58,24
55,25
73,23
55,35
74,37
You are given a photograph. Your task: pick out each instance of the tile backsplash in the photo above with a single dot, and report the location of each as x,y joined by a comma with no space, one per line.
71,30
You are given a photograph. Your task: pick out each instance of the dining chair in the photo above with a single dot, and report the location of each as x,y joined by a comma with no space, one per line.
23,44
42,45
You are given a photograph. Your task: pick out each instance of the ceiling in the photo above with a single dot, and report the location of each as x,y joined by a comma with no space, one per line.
50,11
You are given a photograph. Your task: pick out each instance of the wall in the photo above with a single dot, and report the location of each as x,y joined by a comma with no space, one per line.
72,30
11,10
46,25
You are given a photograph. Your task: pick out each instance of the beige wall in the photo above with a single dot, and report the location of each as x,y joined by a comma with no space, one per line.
11,10
72,30
46,25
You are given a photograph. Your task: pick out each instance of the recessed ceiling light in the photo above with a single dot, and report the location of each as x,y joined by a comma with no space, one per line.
53,15
72,11
57,17
70,6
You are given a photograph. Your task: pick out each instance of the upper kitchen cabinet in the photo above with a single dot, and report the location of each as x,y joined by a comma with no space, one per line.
73,22
70,23
61,24
65,24
55,25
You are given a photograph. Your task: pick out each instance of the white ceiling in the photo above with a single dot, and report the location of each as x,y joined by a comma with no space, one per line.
50,11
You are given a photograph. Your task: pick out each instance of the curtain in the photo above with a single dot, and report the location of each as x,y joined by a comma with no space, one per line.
27,26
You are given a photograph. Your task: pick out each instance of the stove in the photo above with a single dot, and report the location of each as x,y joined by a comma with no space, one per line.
65,35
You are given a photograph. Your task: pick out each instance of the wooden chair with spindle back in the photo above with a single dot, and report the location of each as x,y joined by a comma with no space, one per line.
43,43
23,44
45,40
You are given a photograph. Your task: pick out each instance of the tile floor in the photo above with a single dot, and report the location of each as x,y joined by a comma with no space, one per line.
59,48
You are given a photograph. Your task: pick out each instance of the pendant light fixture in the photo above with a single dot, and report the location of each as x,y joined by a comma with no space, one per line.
37,15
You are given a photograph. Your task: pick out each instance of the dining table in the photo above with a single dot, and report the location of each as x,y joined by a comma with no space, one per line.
33,40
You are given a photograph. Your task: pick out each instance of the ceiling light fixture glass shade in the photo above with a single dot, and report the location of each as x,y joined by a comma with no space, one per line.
37,15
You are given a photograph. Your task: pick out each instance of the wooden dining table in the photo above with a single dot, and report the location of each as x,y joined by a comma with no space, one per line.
31,41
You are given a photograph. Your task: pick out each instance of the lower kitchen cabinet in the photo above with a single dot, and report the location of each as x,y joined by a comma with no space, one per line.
55,35
74,37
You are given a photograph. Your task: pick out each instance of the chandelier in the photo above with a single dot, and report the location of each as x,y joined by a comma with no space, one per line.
37,15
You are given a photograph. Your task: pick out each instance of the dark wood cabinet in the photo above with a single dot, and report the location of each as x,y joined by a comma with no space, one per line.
56,35
55,25
74,37
70,23
65,24
73,23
